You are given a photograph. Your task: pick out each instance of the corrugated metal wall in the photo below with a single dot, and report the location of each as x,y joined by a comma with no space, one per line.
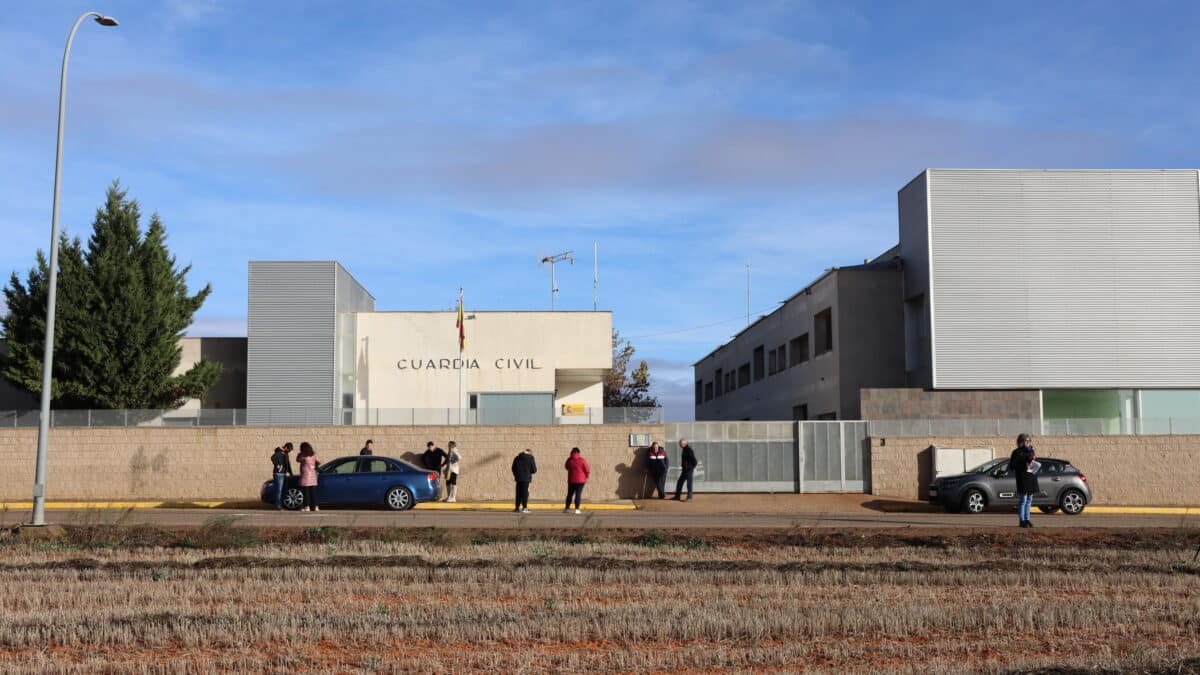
1049,279
290,343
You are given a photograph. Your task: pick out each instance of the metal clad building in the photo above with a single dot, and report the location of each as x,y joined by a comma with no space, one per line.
1052,279
293,337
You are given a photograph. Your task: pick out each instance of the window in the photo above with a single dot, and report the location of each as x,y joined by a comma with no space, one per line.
782,349
730,381
760,369
344,466
717,378
772,362
800,412
708,391
699,391
827,416
823,328
743,375
799,350
374,466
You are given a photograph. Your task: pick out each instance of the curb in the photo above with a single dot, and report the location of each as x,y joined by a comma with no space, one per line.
1097,510
425,506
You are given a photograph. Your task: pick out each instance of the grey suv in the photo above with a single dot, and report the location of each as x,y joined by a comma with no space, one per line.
992,484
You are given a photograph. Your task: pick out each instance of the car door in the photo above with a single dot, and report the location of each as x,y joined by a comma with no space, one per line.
1050,482
375,476
335,485
1004,484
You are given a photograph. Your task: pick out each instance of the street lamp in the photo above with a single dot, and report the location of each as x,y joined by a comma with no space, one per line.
39,478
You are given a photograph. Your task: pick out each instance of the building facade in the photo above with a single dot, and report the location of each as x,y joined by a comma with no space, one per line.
1048,296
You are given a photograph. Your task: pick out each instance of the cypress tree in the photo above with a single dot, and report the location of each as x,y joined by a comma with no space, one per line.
122,306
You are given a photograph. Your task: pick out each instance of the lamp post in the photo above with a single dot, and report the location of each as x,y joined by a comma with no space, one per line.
39,478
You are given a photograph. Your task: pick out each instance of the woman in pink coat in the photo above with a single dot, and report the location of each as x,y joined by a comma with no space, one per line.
309,462
577,474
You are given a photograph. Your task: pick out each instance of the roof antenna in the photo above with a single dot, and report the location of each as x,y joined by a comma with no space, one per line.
551,260
595,276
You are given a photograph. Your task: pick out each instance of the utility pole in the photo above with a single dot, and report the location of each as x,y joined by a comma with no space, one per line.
595,276
747,294
551,260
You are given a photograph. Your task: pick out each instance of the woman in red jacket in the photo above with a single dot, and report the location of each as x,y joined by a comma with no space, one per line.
577,474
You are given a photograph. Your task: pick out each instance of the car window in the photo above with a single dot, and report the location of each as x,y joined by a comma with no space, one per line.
341,466
1051,467
1001,467
375,466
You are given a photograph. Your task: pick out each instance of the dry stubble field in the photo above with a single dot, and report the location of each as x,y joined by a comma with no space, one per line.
111,599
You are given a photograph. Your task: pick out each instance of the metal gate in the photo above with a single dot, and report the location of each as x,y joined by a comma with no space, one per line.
773,456
833,456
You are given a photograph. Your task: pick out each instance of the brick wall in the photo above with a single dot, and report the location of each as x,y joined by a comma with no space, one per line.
1122,470
912,404
230,463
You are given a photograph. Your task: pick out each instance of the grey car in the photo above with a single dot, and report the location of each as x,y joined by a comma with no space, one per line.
993,485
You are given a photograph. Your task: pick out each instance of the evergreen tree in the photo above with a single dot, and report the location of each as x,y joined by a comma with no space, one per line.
623,388
122,306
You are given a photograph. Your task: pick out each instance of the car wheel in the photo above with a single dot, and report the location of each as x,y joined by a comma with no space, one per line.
1072,502
293,499
399,499
974,502
1047,509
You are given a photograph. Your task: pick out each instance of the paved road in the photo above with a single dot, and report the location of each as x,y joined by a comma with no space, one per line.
606,519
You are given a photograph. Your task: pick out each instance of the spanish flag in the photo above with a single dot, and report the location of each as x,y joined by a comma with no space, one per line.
461,324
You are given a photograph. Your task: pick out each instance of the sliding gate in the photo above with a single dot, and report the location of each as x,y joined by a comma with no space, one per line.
773,456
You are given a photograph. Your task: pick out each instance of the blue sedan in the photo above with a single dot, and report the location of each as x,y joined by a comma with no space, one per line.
393,483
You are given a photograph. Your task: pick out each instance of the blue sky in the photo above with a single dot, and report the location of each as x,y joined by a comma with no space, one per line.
429,146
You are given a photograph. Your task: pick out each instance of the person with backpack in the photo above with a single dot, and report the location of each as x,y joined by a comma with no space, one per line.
578,472
523,468
452,461
1024,465
309,463
281,468
656,465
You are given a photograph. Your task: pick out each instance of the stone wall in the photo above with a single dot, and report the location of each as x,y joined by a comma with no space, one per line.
911,404
230,463
1122,470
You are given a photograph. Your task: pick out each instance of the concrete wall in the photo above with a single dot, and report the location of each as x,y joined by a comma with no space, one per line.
1124,470
870,318
230,463
913,404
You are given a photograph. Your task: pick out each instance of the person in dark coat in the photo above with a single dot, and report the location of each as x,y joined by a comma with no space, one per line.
368,448
281,468
1023,464
687,466
523,468
657,465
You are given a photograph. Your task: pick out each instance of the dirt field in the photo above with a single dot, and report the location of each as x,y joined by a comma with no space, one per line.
225,598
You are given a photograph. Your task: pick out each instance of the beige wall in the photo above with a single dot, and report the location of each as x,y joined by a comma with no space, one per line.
230,463
536,352
1125,470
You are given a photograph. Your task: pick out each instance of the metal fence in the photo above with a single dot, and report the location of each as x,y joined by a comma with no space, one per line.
1049,427
317,416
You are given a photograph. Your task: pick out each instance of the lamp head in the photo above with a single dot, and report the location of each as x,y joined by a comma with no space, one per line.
106,21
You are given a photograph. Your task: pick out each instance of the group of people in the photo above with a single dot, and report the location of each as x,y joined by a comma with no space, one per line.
307,460
657,464
524,465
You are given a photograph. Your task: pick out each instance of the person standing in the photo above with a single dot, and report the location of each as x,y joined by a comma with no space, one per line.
368,448
657,464
523,468
452,461
578,472
281,468
1023,463
687,466
309,463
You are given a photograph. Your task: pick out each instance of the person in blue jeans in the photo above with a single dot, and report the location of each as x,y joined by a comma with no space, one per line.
281,467
1027,483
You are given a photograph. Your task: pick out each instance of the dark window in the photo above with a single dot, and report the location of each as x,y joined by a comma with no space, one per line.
374,466
344,466
773,362
743,375
799,350
760,363
699,391
730,381
708,391
474,402
827,416
782,349
800,412
823,328
719,377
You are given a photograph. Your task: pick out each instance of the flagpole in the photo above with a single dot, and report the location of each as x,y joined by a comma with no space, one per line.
462,317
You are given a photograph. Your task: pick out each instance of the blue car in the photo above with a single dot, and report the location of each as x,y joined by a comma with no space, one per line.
393,483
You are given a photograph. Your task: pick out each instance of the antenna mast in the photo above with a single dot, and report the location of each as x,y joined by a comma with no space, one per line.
595,276
551,260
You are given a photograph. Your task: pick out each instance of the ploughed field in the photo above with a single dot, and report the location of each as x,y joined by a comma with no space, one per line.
222,598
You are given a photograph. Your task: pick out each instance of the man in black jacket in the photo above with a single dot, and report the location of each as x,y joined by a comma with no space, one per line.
281,468
523,468
368,448
1023,464
687,464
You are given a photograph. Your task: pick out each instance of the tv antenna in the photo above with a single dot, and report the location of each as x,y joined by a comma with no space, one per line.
551,260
